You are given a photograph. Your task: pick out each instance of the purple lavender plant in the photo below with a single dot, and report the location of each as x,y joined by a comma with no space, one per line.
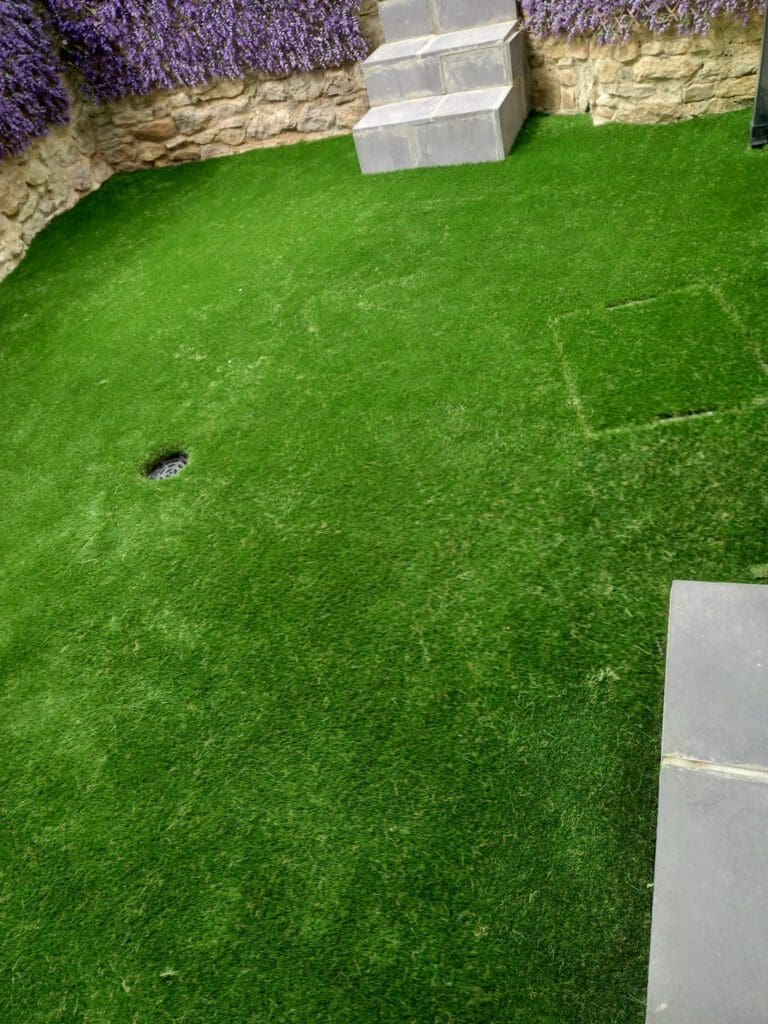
125,47
614,20
32,94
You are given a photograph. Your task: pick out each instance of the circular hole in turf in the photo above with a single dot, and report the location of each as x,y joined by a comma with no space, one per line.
167,466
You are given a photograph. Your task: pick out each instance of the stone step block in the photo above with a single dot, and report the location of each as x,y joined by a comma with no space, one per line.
467,127
709,943
452,15
407,19
476,58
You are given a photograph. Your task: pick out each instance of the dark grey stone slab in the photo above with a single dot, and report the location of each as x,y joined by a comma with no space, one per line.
716,697
709,947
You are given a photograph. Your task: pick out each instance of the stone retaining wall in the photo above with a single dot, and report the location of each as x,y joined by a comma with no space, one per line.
650,80
172,127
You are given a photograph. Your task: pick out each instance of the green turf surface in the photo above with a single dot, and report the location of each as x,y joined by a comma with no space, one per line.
357,720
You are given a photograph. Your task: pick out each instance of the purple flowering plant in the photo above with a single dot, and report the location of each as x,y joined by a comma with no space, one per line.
32,93
614,20
123,47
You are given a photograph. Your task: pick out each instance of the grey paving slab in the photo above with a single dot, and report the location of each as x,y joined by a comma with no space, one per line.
403,79
451,15
469,38
407,112
386,149
474,138
481,67
478,101
709,945
716,696
402,49
512,114
473,127
475,58
403,19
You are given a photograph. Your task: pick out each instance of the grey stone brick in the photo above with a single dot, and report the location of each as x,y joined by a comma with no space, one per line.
456,14
404,19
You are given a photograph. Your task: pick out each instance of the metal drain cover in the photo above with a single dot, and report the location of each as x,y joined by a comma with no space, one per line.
167,466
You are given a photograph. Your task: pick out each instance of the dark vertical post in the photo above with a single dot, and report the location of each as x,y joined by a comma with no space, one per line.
759,135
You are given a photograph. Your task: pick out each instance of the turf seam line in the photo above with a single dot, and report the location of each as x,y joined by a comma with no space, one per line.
733,315
734,771
688,289
668,421
574,398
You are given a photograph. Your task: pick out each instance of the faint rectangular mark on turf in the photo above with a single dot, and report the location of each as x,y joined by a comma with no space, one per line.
731,311
574,399
678,356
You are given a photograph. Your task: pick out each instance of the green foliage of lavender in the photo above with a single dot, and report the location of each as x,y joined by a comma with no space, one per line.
32,95
614,20
136,46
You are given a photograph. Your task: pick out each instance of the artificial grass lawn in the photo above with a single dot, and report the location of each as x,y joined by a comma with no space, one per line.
357,720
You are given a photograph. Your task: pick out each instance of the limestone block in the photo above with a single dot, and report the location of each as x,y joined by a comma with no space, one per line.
349,114
28,207
305,85
214,150
649,69
224,89
82,178
232,136
316,117
340,84
203,138
603,115
12,197
607,69
266,124
188,152
155,131
735,88
189,120
236,121
274,92
625,53
229,108
36,173
148,152
121,117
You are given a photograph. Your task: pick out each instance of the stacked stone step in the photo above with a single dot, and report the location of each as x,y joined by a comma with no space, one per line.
448,86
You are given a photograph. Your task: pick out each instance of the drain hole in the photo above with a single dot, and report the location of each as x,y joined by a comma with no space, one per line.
167,466
688,414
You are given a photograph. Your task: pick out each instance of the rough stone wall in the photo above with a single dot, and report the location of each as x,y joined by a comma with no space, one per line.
46,179
651,79
228,117
172,127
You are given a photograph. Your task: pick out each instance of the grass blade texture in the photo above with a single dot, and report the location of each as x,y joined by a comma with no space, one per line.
356,720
